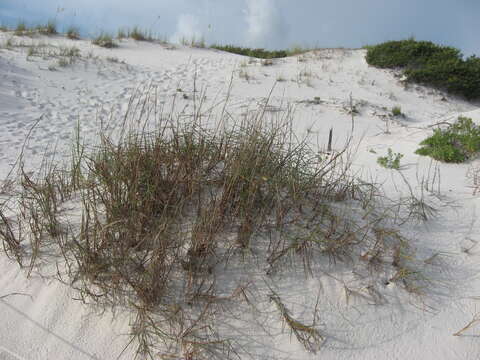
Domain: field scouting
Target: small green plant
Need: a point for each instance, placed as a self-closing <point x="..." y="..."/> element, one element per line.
<point x="456" y="144"/>
<point x="391" y="161"/>
<point x="104" y="40"/>
<point x="73" y="33"/>
<point x="397" y="111"/>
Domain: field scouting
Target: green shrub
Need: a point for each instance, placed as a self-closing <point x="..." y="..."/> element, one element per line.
<point x="255" y="53"/>
<point x="430" y="64"/>
<point x="391" y="161"/>
<point x="455" y="144"/>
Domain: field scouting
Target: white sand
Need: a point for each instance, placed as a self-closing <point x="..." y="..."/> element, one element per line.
<point x="47" y="323"/>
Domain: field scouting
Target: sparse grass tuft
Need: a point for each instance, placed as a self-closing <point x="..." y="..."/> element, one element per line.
<point x="73" y="33"/>
<point x="21" y="28"/>
<point x="48" y="29"/>
<point x="138" y="34"/>
<point x="193" y="42"/>
<point x="457" y="143"/>
<point x="122" y="34"/>
<point x="104" y="40"/>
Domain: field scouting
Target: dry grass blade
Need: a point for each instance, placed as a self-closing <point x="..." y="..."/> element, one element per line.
<point x="11" y="244"/>
<point x="472" y="323"/>
<point x="307" y="335"/>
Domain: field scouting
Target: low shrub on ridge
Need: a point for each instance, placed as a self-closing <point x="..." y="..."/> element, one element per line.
<point x="256" y="53"/>
<point x="427" y="63"/>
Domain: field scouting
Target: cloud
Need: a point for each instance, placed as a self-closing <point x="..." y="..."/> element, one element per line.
<point x="188" y="27"/>
<point x="266" y="26"/>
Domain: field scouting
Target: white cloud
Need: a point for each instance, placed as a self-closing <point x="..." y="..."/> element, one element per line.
<point x="266" y="25"/>
<point x="188" y="27"/>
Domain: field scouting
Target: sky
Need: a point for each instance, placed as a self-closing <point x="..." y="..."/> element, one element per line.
<point x="271" y="24"/>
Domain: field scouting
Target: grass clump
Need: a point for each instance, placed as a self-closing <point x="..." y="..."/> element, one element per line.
<point x="391" y="160"/>
<point x="73" y="33"/>
<point x="122" y="34"/>
<point x="104" y="40"/>
<point x="162" y="210"/>
<point x="430" y="64"/>
<point x="137" y="34"/>
<point x="21" y="28"/>
<point x="193" y="42"/>
<point x="455" y="144"/>
<point x="50" y="28"/>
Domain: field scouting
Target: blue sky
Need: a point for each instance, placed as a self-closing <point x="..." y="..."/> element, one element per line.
<point x="267" y="23"/>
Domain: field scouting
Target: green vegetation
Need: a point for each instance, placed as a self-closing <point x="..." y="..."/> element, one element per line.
<point x="455" y="144"/>
<point x="138" y="34"/>
<point x="397" y="111"/>
<point x="104" y="40"/>
<point x="135" y="33"/>
<point x="73" y="33"/>
<point x="50" y="28"/>
<point x="21" y="28"/>
<point x="262" y="53"/>
<point x="193" y="42"/>
<point x="430" y="64"/>
<point x="162" y="209"/>
<point x="255" y="53"/>
<point x="391" y="160"/>
<point x="121" y="34"/>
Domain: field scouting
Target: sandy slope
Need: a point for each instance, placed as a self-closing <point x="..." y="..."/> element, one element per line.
<point x="48" y="324"/>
